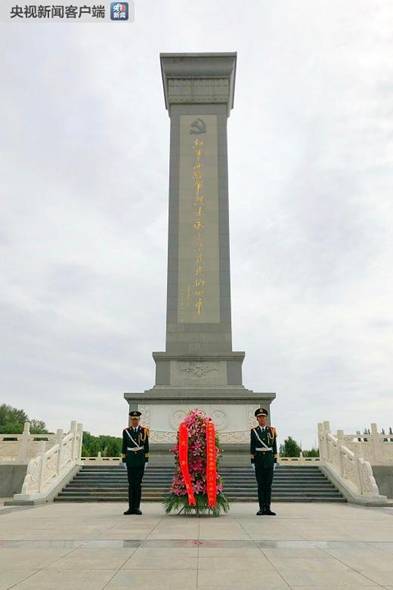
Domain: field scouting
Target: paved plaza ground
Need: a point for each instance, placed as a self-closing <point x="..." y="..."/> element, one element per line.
<point x="93" y="546"/>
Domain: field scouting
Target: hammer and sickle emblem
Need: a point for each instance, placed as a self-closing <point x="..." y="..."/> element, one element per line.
<point x="197" y="127"/>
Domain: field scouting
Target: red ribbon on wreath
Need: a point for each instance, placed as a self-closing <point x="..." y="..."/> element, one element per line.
<point x="183" y="460"/>
<point x="211" y="459"/>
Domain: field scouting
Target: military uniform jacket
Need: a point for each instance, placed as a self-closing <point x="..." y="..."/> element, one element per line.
<point x="135" y="449"/>
<point x="261" y="440"/>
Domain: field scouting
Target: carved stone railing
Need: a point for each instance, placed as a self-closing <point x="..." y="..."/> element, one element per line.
<point x="347" y="468"/>
<point x="290" y="461"/>
<point x="375" y="447"/>
<point x="20" y="448"/>
<point x="52" y="466"/>
<point x="99" y="460"/>
<point x="301" y="460"/>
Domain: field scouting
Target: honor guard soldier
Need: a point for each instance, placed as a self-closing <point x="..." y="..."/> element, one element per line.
<point x="263" y="449"/>
<point x="135" y="455"/>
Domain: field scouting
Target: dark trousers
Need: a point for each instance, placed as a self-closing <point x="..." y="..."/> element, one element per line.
<point x="135" y="475"/>
<point x="264" y="477"/>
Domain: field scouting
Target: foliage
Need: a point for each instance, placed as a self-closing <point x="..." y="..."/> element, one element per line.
<point x="290" y="448"/>
<point x="173" y="502"/>
<point x="12" y="421"/>
<point x="177" y="499"/>
<point x="38" y="427"/>
<point x="109" y="446"/>
<point x="311" y="453"/>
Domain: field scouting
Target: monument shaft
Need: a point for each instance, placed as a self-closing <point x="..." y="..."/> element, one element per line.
<point x="199" y="96"/>
<point x="198" y="91"/>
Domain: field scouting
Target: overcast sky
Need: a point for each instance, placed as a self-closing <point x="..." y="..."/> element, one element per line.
<point x="84" y="151"/>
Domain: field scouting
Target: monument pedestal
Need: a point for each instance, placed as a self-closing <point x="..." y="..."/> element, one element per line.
<point x="199" y="368"/>
<point x="212" y="383"/>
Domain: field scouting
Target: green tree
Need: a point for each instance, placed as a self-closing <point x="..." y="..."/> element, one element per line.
<point x="89" y="445"/>
<point x="311" y="453"/>
<point x="108" y="446"/>
<point x="112" y="446"/>
<point x="38" y="427"/>
<point x="290" y="448"/>
<point x="12" y="421"/>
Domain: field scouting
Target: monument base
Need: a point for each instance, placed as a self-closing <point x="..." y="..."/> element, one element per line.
<point x="233" y="455"/>
<point x="231" y="408"/>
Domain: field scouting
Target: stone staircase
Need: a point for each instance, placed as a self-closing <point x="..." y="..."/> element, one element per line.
<point x="108" y="483"/>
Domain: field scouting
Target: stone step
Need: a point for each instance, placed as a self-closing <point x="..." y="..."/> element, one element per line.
<point x="250" y="475"/>
<point x="163" y="492"/>
<point x="228" y="491"/>
<point x="109" y="484"/>
<point x="225" y="481"/>
<point x="251" y="483"/>
<point x="232" y="499"/>
<point x="170" y="468"/>
<point x="247" y="469"/>
<point x="248" y="485"/>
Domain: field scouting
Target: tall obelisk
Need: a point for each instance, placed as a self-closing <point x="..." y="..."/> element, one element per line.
<point x="199" y="368"/>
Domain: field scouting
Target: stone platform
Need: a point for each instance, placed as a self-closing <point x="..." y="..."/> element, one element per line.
<point x="95" y="547"/>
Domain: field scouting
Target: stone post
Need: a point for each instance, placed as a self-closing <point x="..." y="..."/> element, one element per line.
<point x="80" y="440"/>
<point x="41" y="450"/>
<point x="358" y="473"/>
<point x="23" y="453"/>
<point x="73" y="429"/>
<point x="323" y="429"/>
<point x="340" y="442"/>
<point x="377" y="446"/>
<point x="59" y="441"/>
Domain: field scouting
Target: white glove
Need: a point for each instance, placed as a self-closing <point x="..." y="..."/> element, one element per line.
<point x="253" y="466"/>
<point x="146" y="464"/>
<point x="275" y="466"/>
<point x="125" y="465"/>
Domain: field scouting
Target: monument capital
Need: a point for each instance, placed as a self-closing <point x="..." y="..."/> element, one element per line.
<point x="198" y="78"/>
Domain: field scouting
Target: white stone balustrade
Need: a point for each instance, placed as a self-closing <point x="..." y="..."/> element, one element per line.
<point x="376" y="447"/>
<point x="291" y="461"/>
<point x="301" y="460"/>
<point x="99" y="460"/>
<point x="347" y="467"/>
<point x="20" y="448"/>
<point x="49" y="468"/>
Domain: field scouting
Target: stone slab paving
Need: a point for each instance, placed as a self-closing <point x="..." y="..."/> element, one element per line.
<point x="95" y="547"/>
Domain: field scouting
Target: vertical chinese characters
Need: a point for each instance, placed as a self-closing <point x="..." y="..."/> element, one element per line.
<point x="199" y="279"/>
<point x="198" y="238"/>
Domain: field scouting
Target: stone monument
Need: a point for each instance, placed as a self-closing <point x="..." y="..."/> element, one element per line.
<point x="199" y="367"/>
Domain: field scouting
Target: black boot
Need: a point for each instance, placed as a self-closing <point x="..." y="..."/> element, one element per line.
<point x="137" y="503"/>
<point x="268" y="512"/>
<point x="129" y="511"/>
